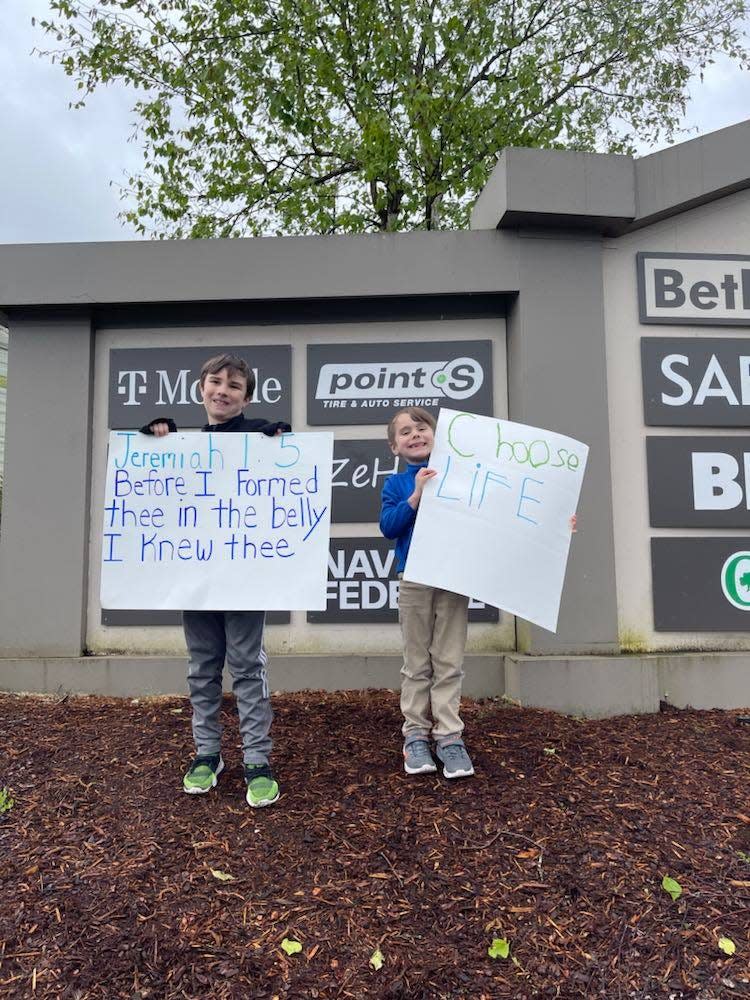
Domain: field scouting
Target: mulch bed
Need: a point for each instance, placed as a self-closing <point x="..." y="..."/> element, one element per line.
<point x="558" y="845"/>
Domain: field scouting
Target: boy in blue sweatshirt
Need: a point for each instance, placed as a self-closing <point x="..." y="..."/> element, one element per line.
<point x="433" y="621"/>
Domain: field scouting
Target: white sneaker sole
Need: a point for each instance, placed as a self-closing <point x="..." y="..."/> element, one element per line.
<point x="457" y="774"/>
<point x="424" y="769"/>
<point x="264" y="803"/>
<point x="204" y="791"/>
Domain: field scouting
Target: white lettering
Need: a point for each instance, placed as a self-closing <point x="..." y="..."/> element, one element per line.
<point x="131" y="384"/>
<point x="171" y="391"/>
<point x="724" y="389"/>
<point x="715" y="485"/>
<point x="679" y="380"/>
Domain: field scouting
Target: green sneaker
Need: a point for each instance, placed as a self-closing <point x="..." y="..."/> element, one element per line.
<point x="203" y="774"/>
<point x="262" y="787"/>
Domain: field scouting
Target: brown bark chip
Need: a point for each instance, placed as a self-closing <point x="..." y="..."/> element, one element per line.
<point x="114" y="884"/>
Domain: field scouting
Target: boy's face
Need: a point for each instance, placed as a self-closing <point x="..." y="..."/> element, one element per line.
<point x="412" y="439"/>
<point x="224" y="395"/>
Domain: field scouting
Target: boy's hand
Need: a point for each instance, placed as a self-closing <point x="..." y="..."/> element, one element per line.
<point x="160" y="428"/>
<point x="419" y="480"/>
<point x="574" y="524"/>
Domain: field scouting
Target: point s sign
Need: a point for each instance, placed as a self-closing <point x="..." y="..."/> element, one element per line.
<point x="365" y="383"/>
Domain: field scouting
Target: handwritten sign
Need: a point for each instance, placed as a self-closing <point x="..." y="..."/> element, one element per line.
<point x="203" y="521"/>
<point x="495" y="520"/>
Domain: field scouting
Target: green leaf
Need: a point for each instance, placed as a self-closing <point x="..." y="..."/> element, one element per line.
<point x="303" y="118"/>
<point x="500" y="948"/>
<point x="290" y="946"/>
<point x="672" y="886"/>
<point x="221" y="876"/>
<point x="376" y="960"/>
<point x="550" y="750"/>
<point x="727" y="945"/>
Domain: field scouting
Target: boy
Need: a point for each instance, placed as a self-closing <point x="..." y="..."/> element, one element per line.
<point x="433" y="621"/>
<point x="226" y="387"/>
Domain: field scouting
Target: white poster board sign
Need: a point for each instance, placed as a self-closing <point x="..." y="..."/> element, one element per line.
<point x="228" y="522"/>
<point x="494" y="523"/>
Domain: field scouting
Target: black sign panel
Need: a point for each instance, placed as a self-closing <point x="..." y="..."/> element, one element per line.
<point x="363" y="585"/>
<point x="120" y="617"/>
<point x="701" y="584"/>
<point x="698" y="482"/>
<point x="360" y="469"/>
<point x="148" y="382"/>
<point x="366" y="383"/>
<point x="696" y="383"/>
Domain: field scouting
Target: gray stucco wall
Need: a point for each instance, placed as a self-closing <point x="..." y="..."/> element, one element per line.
<point x="3" y="394"/>
<point x="44" y="542"/>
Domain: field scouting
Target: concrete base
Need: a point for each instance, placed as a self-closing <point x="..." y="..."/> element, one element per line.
<point x="133" y="677"/>
<point x="593" y="686"/>
<point x="599" y="686"/>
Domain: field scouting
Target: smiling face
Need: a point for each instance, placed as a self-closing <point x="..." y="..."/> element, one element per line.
<point x="412" y="438"/>
<point x="224" y="394"/>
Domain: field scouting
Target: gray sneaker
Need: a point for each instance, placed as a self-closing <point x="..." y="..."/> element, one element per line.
<point x="417" y="757"/>
<point x="455" y="759"/>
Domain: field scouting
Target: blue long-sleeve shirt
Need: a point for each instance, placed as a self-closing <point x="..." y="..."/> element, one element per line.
<point x="396" y="516"/>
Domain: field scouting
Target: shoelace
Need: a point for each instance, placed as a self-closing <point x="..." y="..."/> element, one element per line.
<point x="453" y="751"/>
<point x="419" y="749"/>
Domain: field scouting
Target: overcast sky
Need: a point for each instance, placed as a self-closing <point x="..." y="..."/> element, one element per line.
<point x="56" y="165"/>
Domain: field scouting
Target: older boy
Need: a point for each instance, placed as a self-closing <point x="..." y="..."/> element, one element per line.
<point x="433" y="621"/>
<point x="226" y="387"/>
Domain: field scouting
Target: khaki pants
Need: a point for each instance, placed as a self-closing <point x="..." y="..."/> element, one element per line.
<point x="433" y="625"/>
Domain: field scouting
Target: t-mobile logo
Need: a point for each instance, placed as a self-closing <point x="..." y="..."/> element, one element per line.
<point x="131" y="384"/>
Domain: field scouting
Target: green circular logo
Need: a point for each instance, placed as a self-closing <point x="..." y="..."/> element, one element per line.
<point x="735" y="580"/>
<point x="442" y="377"/>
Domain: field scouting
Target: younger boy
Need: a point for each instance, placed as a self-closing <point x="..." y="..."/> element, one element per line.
<point x="433" y="621"/>
<point x="226" y="387"/>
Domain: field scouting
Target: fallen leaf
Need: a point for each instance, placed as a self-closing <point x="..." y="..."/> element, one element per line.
<point x="500" y="948"/>
<point x="221" y="876"/>
<point x="376" y="960"/>
<point x="727" y="945"/>
<point x="290" y="946"/>
<point x="672" y="886"/>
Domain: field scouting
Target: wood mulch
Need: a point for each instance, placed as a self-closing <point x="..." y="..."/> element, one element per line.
<point x="558" y="845"/>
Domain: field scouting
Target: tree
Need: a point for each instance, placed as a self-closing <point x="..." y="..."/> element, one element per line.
<point x="299" y="116"/>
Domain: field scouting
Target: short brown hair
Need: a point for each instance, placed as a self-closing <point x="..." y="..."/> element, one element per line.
<point x="236" y="366"/>
<point x="416" y="413"/>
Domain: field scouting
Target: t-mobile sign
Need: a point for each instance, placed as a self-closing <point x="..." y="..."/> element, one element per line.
<point x="148" y="382"/>
<point x="694" y="289"/>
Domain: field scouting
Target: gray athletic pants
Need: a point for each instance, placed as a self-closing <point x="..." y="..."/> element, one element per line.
<point x="237" y="637"/>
